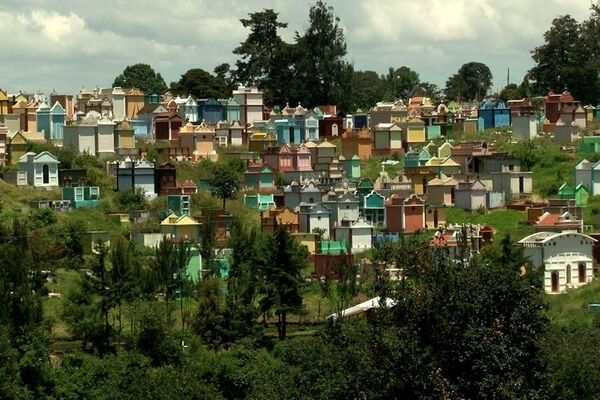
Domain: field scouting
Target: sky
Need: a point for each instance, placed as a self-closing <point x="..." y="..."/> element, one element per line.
<point x="66" y="45"/>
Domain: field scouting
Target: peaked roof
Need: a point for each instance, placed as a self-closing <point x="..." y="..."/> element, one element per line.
<point x="42" y="107"/>
<point x="175" y="219"/>
<point x="565" y="186"/>
<point x="584" y="164"/>
<point x="449" y="162"/>
<point x="471" y="185"/>
<point x="318" y="208"/>
<point x="57" y="108"/>
<point x="44" y="156"/>
<point x="326" y="143"/>
<point x="442" y="180"/>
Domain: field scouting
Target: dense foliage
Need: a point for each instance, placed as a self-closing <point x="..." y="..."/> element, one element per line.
<point x="202" y="85"/>
<point x="460" y="328"/>
<point x="225" y="183"/>
<point x="313" y="69"/>
<point x="471" y="82"/>
<point x="141" y="76"/>
<point x="569" y="58"/>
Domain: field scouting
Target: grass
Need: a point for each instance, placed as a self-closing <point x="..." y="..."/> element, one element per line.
<point x="12" y="197"/>
<point x="570" y="310"/>
<point x="591" y="212"/>
<point x="193" y="172"/>
<point x="502" y="221"/>
<point x="371" y="167"/>
<point x="316" y="307"/>
<point x="65" y="281"/>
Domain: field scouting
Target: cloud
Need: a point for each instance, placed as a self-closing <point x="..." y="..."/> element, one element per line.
<point x="54" y="26"/>
<point x="68" y="44"/>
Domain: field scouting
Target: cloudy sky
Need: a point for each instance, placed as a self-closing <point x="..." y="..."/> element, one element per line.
<point x="64" y="45"/>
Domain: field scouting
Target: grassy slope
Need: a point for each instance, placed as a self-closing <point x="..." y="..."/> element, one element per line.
<point x="503" y="221"/>
<point x="371" y="167"/>
<point x="65" y="280"/>
<point x="569" y="310"/>
<point x="554" y="167"/>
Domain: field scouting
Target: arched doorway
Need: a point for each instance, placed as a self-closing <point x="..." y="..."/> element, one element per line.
<point x="554" y="281"/>
<point x="45" y="174"/>
<point x="334" y="130"/>
<point x="568" y="274"/>
<point x="581" y="272"/>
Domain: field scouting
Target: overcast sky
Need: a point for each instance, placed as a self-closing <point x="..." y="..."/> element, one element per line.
<point x="64" y="45"/>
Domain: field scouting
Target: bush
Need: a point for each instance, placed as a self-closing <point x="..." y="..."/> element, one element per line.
<point x="132" y="199"/>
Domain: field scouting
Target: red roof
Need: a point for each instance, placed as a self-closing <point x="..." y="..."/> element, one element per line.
<point x="554" y="220"/>
<point x="566" y="97"/>
<point x="548" y="220"/>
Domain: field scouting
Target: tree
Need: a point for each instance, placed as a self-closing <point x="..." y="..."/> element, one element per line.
<point x="525" y="89"/>
<point x="208" y="240"/>
<point x="73" y="238"/>
<point x="569" y="58"/>
<point x="282" y="277"/>
<point x="346" y="289"/>
<point x="471" y="82"/>
<point x="510" y="92"/>
<point x="495" y="338"/>
<point x="100" y="286"/>
<point x="224" y="73"/>
<point x="209" y="320"/>
<point x="81" y="313"/>
<point x="322" y="72"/>
<point x="170" y="264"/>
<point x="427" y="89"/>
<point x="154" y="341"/>
<point x="265" y="59"/>
<point x="11" y="386"/>
<point x="557" y="60"/>
<point x="132" y="199"/>
<point x="121" y="275"/>
<point x="367" y="89"/>
<point x="201" y="84"/>
<point x="525" y="152"/>
<point x="20" y="303"/>
<point x="242" y="282"/>
<point x="143" y="77"/>
<point x="401" y="82"/>
<point x="225" y="183"/>
<point x="573" y="365"/>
